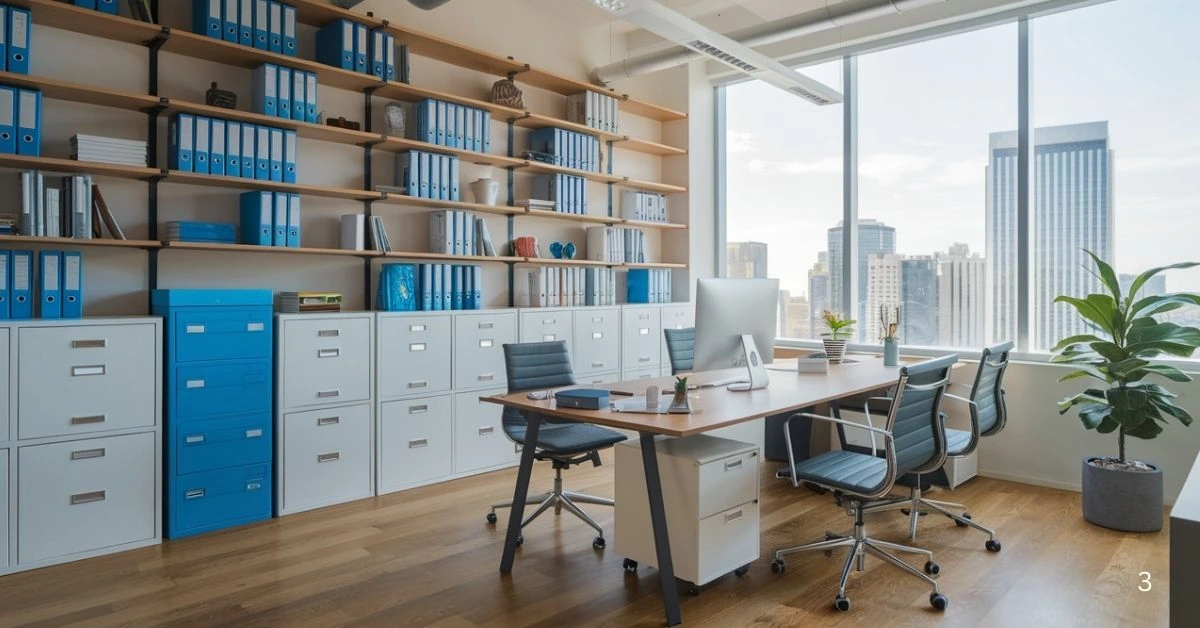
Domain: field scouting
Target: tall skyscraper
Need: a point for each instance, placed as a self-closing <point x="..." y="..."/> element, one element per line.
<point x="874" y="238"/>
<point x="907" y="282"/>
<point x="962" y="291"/>
<point x="818" y="292"/>
<point x="883" y="291"/>
<point x="797" y="322"/>
<point x="1073" y="210"/>
<point x="746" y="260"/>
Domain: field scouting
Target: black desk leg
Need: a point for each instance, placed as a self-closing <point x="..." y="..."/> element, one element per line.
<point x="517" y="513"/>
<point x="658" y="521"/>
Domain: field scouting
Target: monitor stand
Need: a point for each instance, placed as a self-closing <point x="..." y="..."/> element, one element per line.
<point x="759" y="378"/>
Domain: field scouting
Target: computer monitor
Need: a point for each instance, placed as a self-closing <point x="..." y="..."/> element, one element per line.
<point x="728" y="308"/>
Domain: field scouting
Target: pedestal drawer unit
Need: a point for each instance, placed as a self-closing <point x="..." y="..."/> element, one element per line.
<point x="546" y="325"/>
<point x="478" y="348"/>
<point x="479" y="439"/>
<point x="597" y="346"/>
<point x="326" y="451"/>
<point x="219" y="387"/>
<point x="710" y="493"/>
<point x="416" y="441"/>
<point x="641" y="337"/>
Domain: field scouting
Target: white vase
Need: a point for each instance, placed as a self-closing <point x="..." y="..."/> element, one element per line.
<point x="486" y="191"/>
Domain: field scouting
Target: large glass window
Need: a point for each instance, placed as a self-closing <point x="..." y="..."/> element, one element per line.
<point x="784" y="185"/>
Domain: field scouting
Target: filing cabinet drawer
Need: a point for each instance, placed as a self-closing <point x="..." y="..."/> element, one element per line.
<point x="220" y="333"/>
<point x="479" y="440"/>
<point x="631" y="375"/>
<point x="218" y="499"/>
<point x="84" y="495"/>
<point x="84" y="379"/>
<point x="415" y="441"/>
<point x="678" y="316"/>
<point x="641" y="332"/>
<point x="596" y="379"/>
<point x="479" y="341"/>
<point x="326" y="457"/>
<point x="325" y="360"/>
<point x="730" y="537"/>
<point x="209" y="444"/>
<point x="543" y="325"/>
<point x="4" y="476"/>
<point x="728" y="482"/>
<point x="597" y="347"/>
<point x="414" y="355"/>
<point x="202" y="390"/>
<point x="5" y="394"/>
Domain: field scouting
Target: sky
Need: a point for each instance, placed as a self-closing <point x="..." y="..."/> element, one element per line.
<point x="925" y="112"/>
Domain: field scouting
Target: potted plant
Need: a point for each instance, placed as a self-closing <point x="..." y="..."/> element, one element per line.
<point x="840" y="329"/>
<point x="889" y="323"/>
<point x="1121" y="493"/>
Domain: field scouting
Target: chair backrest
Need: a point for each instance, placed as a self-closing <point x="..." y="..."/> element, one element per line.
<point x="914" y="417"/>
<point x="681" y="348"/>
<point x="988" y="390"/>
<point x="533" y="366"/>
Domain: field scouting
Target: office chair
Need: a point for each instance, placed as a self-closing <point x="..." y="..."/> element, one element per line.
<point x="913" y="442"/>
<point x="538" y="366"/>
<point x="988" y="416"/>
<point x="681" y="348"/>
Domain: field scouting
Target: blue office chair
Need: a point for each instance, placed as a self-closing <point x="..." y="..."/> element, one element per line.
<point x="988" y="416"/>
<point x="539" y="366"/>
<point x="913" y="442"/>
<point x="681" y="348"/>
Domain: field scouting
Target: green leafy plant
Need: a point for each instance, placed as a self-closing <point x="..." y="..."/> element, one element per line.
<point x="1119" y="356"/>
<point x="839" y="326"/>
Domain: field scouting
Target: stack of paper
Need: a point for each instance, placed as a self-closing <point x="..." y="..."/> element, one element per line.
<point x="299" y="302"/>
<point x="108" y="150"/>
<point x="536" y="203"/>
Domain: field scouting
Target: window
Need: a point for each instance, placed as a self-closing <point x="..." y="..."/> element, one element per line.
<point x="784" y="181"/>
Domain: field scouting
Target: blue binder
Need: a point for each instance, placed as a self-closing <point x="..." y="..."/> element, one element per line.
<point x="21" y="280"/>
<point x="275" y="27"/>
<point x="427" y="121"/>
<point x="85" y="4"/>
<point x="310" y="97"/>
<point x="229" y="20"/>
<point x="299" y="98"/>
<point x="444" y="177"/>
<point x="426" y="286"/>
<point x="262" y="153"/>
<point x="389" y="57"/>
<point x="29" y="122"/>
<point x="108" y="6"/>
<point x="8" y="119"/>
<point x="487" y="135"/>
<point x="289" y="30"/>
<point x="200" y="144"/>
<point x="216" y="147"/>
<point x="248" y="164"/>
<point x="262" y="25"/>
<point x="637" y="285"/>
<point x="360" y="48"/>
<point x="453" y="161"/>
<point x="425" y="174"/>
<point x="256" y="210"/>
<point x="449" y="124"/>
<point x="5" y="284"/>
<point x="289" y="156"/>
<point x="246" y="22"/>
<point x="447" y="286"/>
<point x="408" y="172"/>
<point x="439" y="123"/>
<point x="50" y="284"/>
<point x="378" y="53"/>
<point x="276" y="155"/>
<point x="280" y="223"/>
<point x="283" y="97"/>
<point x="4" y="17"/>
<point x="460" y="123"/>
<point x="72" y="284"/>
<point x="206" y="18"/>
<point x="436" y="290"/>
<point x="335" y="44"/>
<point x="264" y="89"/>
<point x="397" y="288"/>
<point x="456" y="287"/>
<point x="477" y="287"/>
<point x="293" y="220"/>
<point x="19" y="39"/>
<point x="233" y="149"/>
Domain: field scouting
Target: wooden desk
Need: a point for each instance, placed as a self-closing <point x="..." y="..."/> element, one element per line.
<point x="713" y="408"/>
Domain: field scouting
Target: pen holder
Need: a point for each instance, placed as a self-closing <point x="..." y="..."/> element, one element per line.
<point x="891" y="352"/>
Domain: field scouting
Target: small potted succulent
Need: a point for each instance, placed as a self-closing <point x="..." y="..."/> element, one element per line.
<point x="889" y="324"/>
<point x="679" y="403"/>
<point x="840" y="330"/>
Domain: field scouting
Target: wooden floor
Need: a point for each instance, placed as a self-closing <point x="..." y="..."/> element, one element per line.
<point x="427" y="558"/>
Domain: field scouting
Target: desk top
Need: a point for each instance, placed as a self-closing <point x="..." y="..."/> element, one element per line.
<point x="714" y="408"/>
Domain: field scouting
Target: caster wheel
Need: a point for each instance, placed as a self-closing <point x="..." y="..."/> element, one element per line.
<point x="629" y="565"/>
<point x="598" y="543"/>
<point x="741" y="571"/>
<point x="520" y="540"/>
<point x="778" y="566"/>
<point x="842" y="603"/>
<point x="932" y="568"/>
<point x="939" y="601"/>
<point x="491" y="518"/>
<point x="693" y="590"/>
<point x="961" y="524"/>
<point x="992" y="546"/>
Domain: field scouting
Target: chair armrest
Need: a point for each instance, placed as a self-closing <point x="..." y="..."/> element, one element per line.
<point x="974" y="414"/>
<point x="787" y="435"/>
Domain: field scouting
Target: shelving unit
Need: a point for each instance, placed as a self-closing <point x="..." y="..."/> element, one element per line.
<point x="213" y="180"/>
<point x="100" y="243"/>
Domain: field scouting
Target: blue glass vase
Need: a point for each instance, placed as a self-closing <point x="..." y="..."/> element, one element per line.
<point x="891" y="352"/>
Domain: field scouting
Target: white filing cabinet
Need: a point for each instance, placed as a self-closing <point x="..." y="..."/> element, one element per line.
<point x="416" y="441"/>
<point x="641" y="338"/>
<point x="478" y="348"/>
<point x="675" y="316"/>
<point x="80" y="439"/>
<point x="597" y="347"/>
<point x="414" y="352"/>
<point x="324" y="433"/>
<point x="546" y="325"/>
<point x="479" y="439"/>
<point x="710" y="491"/>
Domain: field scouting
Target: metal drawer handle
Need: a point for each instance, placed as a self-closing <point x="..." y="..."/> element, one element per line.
<point x="418" y="409"/>
<point x="597" y="319"/>
<point x="597" y="335"/>
<point x="597" y="381"/>
<point x="84" y="454"/>
<point x="644" y="331"/>
<point x="87" y="498"/>
<point x="486" y="343"/>
<point x="597" y="364"/>
<point x="418" y="442"/>
<point x="329" y="420"/>
<point x="549" y="321"/>
<point x="549" y="337"/>
<point x="253" y="486"/>
<point x="644" y="359"/>
<point x="195" y="493"/>
<point x="89" y="344"/>
<point x="328" y="393"/>
<point x="416" y="328"/>
<point x="484" y="431"/>
<point x="194" y="329"/>
<point x="194" y="383"/>
<point x="418" y="384"/>
<point x="486" y="377"/>
<point x="193" y="439"/>
<point x="487" y="325"/>
<point x="416" y="346"/>
<point x="255" y="327"/>
<point x="84" y="371"/>
<point x="736" y="464"/>
<point x="86" y="420"/>
<point x="643" y="317"/>
<point x="734" y="515"/>
<point x="329" y="333"/>
<point x="330" y="457"/>
<point x="328" y="353"/>
<point x="254" y="433"/>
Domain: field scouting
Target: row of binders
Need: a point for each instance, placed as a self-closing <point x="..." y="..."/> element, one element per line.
<point x="427" y="175"/>
<point x="56" y="212"/>
<point x="59" y="285"/>
<point x="647" y="206"/>
<point x="20" y="121"/>
<point x="648" y="285"/>
<point x="269" y="219"/>
<point x="598" y="111"/>
<point x="350" y="46"/>
<point x="448" y="124"/>
<point x="616" y="245"/>
<point x="459" y="233"/>
<point x="553" y="286"/>
<point x="104" y="6"/>
<point x="429" y="287"/>
<point x="263" y="24"/>
<point x="284" y="92"/>
<point x="567" y="192"/>
<point x="567" y="148"/>
<point x="234" y="149"/>
<point x="16" y="44"/>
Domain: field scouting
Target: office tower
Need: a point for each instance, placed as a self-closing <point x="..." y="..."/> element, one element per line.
<point x="962" y="292"/>
<point x="883" y="291"/>
<point x="1073" y="210"/>
<point x="818" y="293"/>
<point x="746" y="260"/>
<point x="874" y="238"/>
<point x="796" y="323"/>
<point x="907" y="282"/>
<point x="1155" y="287"/>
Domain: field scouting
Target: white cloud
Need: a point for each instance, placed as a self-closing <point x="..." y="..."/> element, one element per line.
<point x="1156" y="163"/>
<point x="892" y="168"/>
<point x="740" y="142"/>
<point x="825" y="165"/>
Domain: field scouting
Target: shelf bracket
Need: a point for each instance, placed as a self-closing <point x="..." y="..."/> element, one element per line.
<point x="513" y="73"/>
<point x="155" y="43"/>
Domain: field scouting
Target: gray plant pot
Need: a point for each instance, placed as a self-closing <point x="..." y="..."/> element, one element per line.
<point x="1130" y="501"/>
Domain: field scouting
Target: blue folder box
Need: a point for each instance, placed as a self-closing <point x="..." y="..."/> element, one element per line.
<point x="582" y="398"/>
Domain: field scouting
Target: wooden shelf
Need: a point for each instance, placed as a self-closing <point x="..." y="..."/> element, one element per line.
<point x="443" y="257"/>
<point x="587" y="218"/>
<point x="412" y="93"/>
<point x="463" y="56"/>
<point x="322" y="132"/>
<point x="71" y="166"/>
<point x="252" y="248"/>
<point x="651" y="224"/>
<point x="648" y="147"/>
<point x="404" y="199"/>
<point x="88" y="21"/>
<point x="70" y="242"/>
<point x="212" y="180"/>
<point x="654" y="265"/>
<point x="538" y="121"/>
<point x="545" y="79"/>
<point x="649" y="186"/>
<point x="75" y="92"/>
<point x="554" y="261"/>
<point x="399" y="144"/>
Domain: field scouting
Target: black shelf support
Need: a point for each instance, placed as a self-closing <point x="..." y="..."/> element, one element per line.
<point x="152" y="115"/>
<point x="368" y="184"/>
<point x="609" y="167"/>
<point x="511" y="219"/>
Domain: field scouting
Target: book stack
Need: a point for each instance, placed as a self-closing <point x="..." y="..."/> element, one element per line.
<point x="108" y="150"/>
<point x="459" y="233"/>
<point x="568" y="149"/>
<point x="616" y="245"/>
<point x="429" y="287"/>
<point x="379" y="236"/>
<point x="302" y="302"/>
<point x="67" y="211"/>
<point x="552" y="286"/>
<point x="648" y="285"/>
<point x="449" y="124"/>
<point x="194" y="231"/>
<point x="565" y="193"/>
<point x="598" y="111"/>
<point x="537" y="203"/>
<point x="646" y="206"/>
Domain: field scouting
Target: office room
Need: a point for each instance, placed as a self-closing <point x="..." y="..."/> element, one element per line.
<point x="545" y="312"/>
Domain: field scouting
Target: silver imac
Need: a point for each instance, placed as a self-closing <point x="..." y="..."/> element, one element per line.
<point x="727" y="310"/>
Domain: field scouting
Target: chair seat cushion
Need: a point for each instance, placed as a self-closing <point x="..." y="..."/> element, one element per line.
<point x="957" y="441"/>
<point x="571" y="438"/>
<point x="861" y="474"/>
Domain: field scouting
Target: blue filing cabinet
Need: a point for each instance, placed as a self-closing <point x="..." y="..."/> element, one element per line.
<point x="219" y="393"/>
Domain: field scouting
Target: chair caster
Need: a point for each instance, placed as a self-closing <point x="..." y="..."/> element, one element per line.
<point x="741" y="571"/>
<point x="939" y="601"/>
<point x="519" y="541"/>
<point x="992" y="546"/>
<point x="841" y="603"/>
<point x="691" y="589"/>
<point x="960" y="523"/>
<point x="630" y="565"/>
<point x="598" y="543"/>
<point x="932" y="568"/>
<point x="491" y="518"/>
<point x="778" y="566"/>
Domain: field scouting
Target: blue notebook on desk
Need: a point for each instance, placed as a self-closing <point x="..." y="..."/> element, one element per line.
<point x="582" y="399"/>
